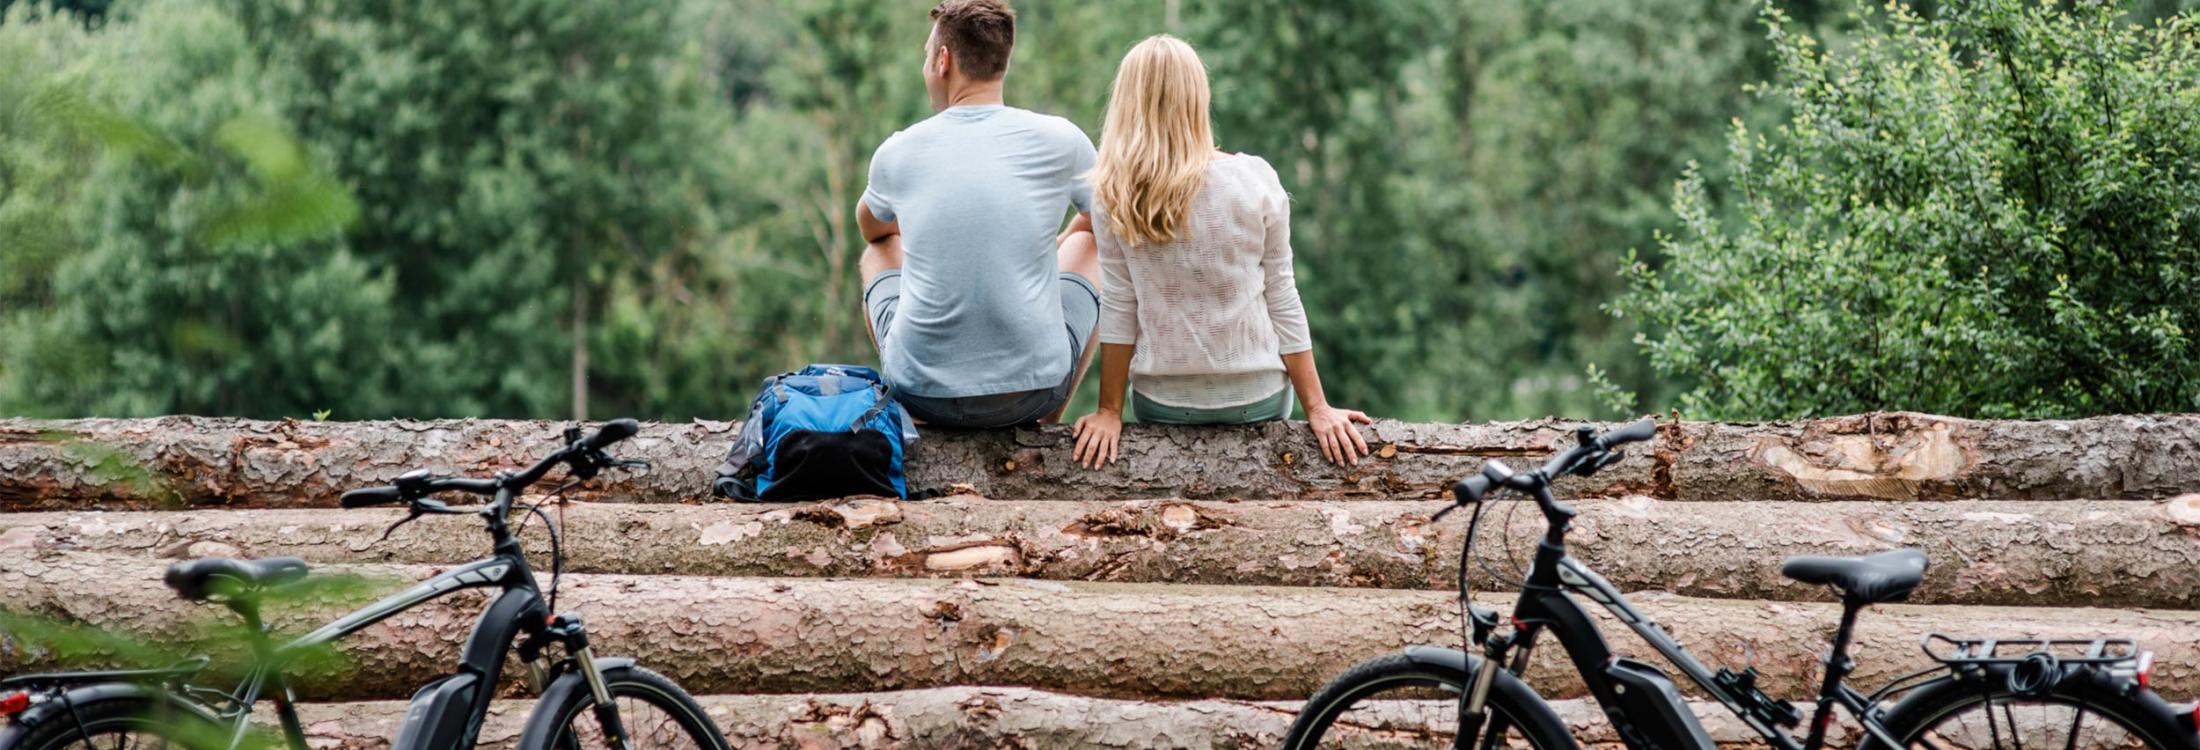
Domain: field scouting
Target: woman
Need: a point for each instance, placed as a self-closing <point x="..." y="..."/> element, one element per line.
<point x="1199" y="313"/>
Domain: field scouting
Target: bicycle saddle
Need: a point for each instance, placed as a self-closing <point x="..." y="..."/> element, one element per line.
<point x="200" y="580"/>
<point x="1871" y="579"/>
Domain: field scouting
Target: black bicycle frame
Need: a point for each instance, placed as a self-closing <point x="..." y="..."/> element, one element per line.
<point x="518" y="611"/>
<point x="1545" y="604"/>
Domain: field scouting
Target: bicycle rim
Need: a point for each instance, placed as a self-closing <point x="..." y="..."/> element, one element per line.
<point x="1998" y="721"/>
<point x="653" y="721"/>
<point x="1409" y="711"/>
<point x="116" y="733"/>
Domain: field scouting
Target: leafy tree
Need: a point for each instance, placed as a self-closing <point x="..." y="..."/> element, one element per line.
<point x="517" y="161"/>
<point x="1573" y="118"/>
<point x="203" y="231"/>
<point x="1466" y="179"/>
<point x="1993" y="212"/>
<point x="42" y="160"/>
<point x="516" y="166"/>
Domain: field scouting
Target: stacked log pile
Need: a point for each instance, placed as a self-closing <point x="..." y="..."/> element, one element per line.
<point x="1184" y="596"/>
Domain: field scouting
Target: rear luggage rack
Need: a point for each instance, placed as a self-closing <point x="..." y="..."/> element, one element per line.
<point x="2099" y="652"/>
<point x="2045" y="661"/>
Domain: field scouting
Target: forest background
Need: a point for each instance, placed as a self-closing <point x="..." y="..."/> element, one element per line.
<point x="1502" y="209"/>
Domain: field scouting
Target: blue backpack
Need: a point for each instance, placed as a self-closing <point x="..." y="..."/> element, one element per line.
<point x="823" y="431"/>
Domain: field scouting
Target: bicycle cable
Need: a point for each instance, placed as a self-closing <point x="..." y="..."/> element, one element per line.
<point x="1512" y="554"/>
<point x="557" y="551"/>
<point x="1466" y="595"/>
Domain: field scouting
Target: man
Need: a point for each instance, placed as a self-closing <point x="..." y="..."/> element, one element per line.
<point x="982" y="313"/>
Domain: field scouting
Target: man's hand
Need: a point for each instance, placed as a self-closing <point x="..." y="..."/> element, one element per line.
<point x="1099" y="435"/>
<point x="1341" y="442"/>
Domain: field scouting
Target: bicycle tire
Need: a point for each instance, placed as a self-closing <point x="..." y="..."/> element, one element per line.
<point x="566" y="726"/>
<point x="2137" y="714"/>
<point x="1509" y="699"/>
<point x="118" y="717"/>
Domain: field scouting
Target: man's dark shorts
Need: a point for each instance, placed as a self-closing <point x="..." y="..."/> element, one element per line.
<point x="1080" y="316"/>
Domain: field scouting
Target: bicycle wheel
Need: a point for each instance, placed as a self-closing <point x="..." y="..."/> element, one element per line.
<point x="115" y="724"/>
<point x="1395" y="701"/>
<point x="2087" y="711"/>
<point x="654" y="710"/>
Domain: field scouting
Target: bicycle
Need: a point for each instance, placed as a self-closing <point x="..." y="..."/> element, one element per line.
<point x="121" y="708"/>
<point x="1951" y="705"/>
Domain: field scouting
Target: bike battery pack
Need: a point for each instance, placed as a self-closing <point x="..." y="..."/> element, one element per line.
<point x="439" y="713"/>
<point x="1650" y="711"/>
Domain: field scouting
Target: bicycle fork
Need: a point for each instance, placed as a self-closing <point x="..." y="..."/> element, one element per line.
<point x="568" y="629"/>
<point x="1474" y="703"/>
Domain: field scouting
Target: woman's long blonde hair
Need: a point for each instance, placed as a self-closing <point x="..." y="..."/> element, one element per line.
<point x="1156" y="143"/>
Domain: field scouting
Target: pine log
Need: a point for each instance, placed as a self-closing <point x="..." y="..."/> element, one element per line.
<point x="2097" y="553"/>
<point x="965" y="717"/>
<point x="177" y="461"/>
<point x="1142" y="640"/>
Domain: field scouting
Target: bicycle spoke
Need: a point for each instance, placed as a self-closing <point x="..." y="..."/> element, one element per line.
<point x="2026" y="723"/>
<point x="648" y="727"/>
<point x="1990" y="726"/>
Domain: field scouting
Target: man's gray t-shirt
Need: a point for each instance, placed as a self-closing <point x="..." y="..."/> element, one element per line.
<point x="980" y="193"/>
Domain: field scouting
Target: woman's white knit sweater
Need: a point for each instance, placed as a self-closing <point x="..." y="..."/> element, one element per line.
<point x="1212" y="311"/>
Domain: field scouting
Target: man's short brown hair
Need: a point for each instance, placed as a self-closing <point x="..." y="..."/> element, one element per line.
<point x="980" y="33"/>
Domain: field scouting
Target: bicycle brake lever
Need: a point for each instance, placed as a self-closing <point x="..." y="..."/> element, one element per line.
<point x="1445" y="512"/>
<point x="631" y="463"/>
<point x="409" y="518"/>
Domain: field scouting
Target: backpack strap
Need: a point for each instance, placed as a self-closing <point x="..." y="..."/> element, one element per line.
<point x="885" y="396"/>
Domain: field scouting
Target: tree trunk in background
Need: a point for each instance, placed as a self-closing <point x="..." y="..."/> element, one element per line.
<point x="186" y="460"/>
<point x="717" y="635"/>
<point x="580" y="348"/>
<point x="2084" y="553"/>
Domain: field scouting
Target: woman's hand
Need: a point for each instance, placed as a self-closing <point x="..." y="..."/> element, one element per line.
<point x="1099" y="435"/>
<point x="1333" y="427"/>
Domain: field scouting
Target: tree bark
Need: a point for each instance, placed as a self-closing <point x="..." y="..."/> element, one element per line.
<point x="175" y="461"/>
<point x="966" y="717"/>
<point x="2098" y="553"/>
<point x="795" y="635"/>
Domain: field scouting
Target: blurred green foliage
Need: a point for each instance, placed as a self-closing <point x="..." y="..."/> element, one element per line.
<point x="393" y="209"/>
<point x="58" y="640"/>
<point x="1994" y="212"/>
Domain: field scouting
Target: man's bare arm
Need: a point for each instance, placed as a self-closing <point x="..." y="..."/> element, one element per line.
<point x="1082" y="222"/>
<point x="874" y="230"/>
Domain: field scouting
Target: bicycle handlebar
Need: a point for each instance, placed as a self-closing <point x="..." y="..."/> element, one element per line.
<point x="1634" y="432"/>
<point x="611" y="432"/>
<point x="1470" y="489"/>
<point x="367" y="497"/>
<point x="1593" y="452"/>
<point x="1591" y="447"/>
<point x="416" y="485"/>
